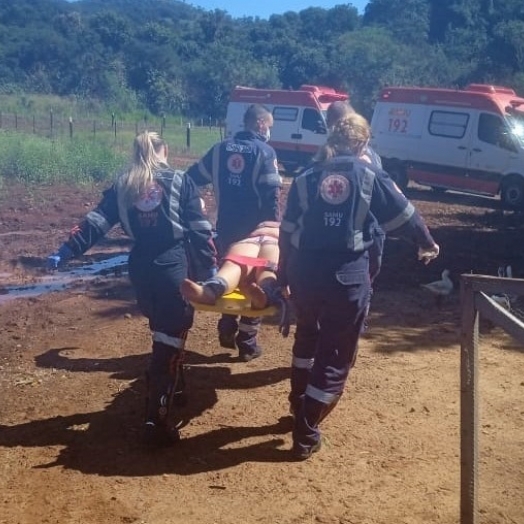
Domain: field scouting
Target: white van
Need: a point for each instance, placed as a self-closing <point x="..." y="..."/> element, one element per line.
<point x="299" y="126"/>
<point x="469" y="140"/>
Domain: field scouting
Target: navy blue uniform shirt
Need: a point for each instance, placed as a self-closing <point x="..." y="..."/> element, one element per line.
<point x="244" y="173"/>
<point x="167" y="216"/>
<point x="332" y="208"/>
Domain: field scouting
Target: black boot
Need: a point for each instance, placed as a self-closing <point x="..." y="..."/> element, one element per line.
<point x="306" y="433"/>
<point x="166" y="397"/>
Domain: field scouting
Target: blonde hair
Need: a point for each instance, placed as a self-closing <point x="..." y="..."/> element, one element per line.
<point x="349" y="136"/>
<point x="147" y="158"/>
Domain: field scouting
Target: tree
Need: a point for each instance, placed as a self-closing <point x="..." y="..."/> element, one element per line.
<point x="407" y="20"/>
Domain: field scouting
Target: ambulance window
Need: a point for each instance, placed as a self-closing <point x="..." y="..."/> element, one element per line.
<point x="448" y="124"/>
<point x="493" y="131"/>
<point x="312" y="121"/>
<point x="286" y="114"/>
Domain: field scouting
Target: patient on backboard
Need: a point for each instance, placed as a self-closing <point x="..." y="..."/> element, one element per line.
<point x="249" y="265"/>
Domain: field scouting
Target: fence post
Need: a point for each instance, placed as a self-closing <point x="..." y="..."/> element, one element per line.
<point x="188" y="135"/>
<point x="71" y="127"/>
<point x="162" y="125"/>
<point x="34" y="124"/>
<point x="469" y="362"/>
<point x="115" y="129"/>
<point x="16" y="122"/>
<point x="51" y="121"/>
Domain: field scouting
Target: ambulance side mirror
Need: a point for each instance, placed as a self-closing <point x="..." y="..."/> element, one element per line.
<point x="321" y="128"/>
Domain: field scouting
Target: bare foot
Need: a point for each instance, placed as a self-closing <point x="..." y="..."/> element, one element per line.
<point x="258" y="296"/>
<point x="196" y="293"/>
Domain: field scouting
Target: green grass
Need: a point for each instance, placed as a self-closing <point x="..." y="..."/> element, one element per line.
<point x="50" y="139"/>
<point x="87" y="157"/>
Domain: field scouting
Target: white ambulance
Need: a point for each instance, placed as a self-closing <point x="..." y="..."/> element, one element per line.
<point x="470" y="140"/>
<point x="299" y="126"/>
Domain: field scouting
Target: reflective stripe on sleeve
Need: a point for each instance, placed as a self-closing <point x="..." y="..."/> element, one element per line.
<point x="200" y="225"/>
<point x="367" y="178"/>
<point x="400" y="219"/>
<point x="254" y="179"/>
<point x="174" y="205"/>
<point x="99" y="221"/>
<point x="215" y="169"/>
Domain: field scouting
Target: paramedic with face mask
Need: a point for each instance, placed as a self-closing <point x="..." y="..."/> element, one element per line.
<point x="246" y="184"/>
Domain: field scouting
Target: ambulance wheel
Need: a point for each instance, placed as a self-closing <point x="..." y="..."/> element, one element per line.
<point x="398" y="174"/>
<point x="512" y="192"/>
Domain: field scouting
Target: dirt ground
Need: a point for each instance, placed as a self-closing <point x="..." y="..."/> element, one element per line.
<point x="72" y="388"/>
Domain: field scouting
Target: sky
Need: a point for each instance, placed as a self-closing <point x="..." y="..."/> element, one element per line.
<point x="265" y="8"/>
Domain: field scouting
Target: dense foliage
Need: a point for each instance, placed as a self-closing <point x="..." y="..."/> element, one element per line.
<point x="177" y="59"/>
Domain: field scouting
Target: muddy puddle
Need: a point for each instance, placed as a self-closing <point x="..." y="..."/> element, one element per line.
<point x="63" y="279"/>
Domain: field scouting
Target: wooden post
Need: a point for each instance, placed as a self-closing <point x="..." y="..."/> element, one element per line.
<point x="51" y="121"/>
<point x="188" y="135"/>
<point x="162" y="125"/>
<point x="469" y="358"/>
<point x="71" y="127"/>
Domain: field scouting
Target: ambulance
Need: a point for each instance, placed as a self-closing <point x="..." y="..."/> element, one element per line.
<point x="299" y="126"/>
<point x="469" y="140"/>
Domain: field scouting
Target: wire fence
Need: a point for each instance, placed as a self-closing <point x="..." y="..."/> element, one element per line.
<point x="184" y="135"/>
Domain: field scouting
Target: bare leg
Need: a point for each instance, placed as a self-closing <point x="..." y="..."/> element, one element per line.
<point x="230" y="274"/>
<point x="265" y="278"/>
<point x="236" y="274"/>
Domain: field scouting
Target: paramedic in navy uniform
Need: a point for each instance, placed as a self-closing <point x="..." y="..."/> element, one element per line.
<point x="160" y="209"/>
<point x="336" y="111"/>
<point x="325" y="235"/>
<point x="246" y="184"/>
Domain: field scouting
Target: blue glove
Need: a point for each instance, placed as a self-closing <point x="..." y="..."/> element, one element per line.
<point x="61" y="256"/>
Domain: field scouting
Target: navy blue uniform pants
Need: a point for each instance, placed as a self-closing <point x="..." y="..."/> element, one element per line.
<point x="330" y="294"/>
<point x="156" y="283"/>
